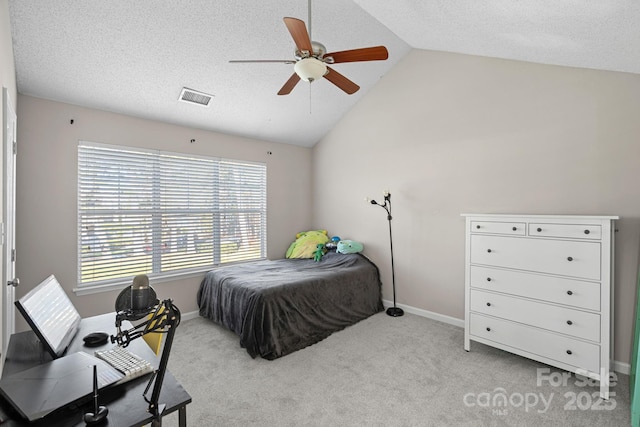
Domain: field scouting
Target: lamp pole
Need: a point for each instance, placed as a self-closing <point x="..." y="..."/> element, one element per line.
<point x="163" y="316"/>
<point x="391" y="311"/>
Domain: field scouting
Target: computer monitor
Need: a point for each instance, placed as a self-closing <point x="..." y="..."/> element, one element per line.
<point x="51" y="315"/>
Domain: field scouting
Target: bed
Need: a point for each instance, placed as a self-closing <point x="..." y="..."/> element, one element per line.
<point x="280" y="306"/>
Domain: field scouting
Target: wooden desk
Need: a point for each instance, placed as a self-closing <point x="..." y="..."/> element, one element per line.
<point x="126" y="403"/>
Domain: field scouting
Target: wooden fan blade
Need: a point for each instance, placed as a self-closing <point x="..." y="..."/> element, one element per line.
<point x="341" y="81"/>
<point x="289" y="85"/>
<point x="376" y="53"/>
<point x="298" y="31"/>
<point x="281" y="61"/>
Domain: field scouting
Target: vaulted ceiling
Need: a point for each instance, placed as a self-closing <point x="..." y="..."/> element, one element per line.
<point x="134" y="57"/>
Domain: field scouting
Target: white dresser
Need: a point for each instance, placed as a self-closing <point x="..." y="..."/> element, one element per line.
<point x="541" y="286"/>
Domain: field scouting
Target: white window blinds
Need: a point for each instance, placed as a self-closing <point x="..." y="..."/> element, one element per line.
<point x="160" y="213"/>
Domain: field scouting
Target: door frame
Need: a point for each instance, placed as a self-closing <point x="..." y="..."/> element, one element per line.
<point x="9" y="138"/>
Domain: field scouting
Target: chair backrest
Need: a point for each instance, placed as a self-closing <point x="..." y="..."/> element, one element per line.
<point x="154" y="339"/>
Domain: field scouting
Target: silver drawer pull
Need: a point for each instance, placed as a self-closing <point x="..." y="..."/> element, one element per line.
<point x="569" y="352"/>
<point x="569" y="322"/>
<point x="570" y="258"/>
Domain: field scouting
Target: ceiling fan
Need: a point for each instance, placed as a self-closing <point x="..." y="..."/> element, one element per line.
<point x="311" y="58"/>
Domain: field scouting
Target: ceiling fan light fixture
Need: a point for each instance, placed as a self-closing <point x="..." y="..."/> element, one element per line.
<point x="310" y="69"/>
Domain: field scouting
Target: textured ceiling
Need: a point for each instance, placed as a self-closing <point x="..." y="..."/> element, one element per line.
<point x="598" y="34"/>
<point x="134" y="57"/>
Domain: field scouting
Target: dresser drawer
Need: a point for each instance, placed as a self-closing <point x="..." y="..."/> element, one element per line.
<point x="579" y="324"/>
<point x="571" y="292"/>
<point x="567" y="258"/>
<point x="536" y="341"/>
<point x="568" y="231"/>
<point x="495" y="227"/>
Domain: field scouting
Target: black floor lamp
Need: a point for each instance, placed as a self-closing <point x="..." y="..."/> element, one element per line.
<point x="391" y="311"/>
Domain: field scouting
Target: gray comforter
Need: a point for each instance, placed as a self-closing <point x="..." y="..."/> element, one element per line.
<point x="277" y="307"/>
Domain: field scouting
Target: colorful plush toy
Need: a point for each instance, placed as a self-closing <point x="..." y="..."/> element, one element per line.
<point x="349" y="247"/>
<point x="317" y="255"/>
<point x="306" y="244"/>
<point x="333" y="244"/>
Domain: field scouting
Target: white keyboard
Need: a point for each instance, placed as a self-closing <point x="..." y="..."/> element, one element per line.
<point x="131" y="365"/>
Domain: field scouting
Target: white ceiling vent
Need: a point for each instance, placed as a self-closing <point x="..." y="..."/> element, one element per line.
<point x="195" y="97"/>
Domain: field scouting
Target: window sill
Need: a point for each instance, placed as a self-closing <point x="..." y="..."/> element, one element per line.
<point x="121" y="284"/>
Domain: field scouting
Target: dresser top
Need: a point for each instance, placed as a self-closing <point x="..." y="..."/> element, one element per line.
<point x="569" y="217"/>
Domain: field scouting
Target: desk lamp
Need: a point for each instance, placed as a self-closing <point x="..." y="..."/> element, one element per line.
<point x="138" y="301"/>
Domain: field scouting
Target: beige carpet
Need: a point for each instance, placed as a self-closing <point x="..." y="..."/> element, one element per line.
<point x="407" y="371"/>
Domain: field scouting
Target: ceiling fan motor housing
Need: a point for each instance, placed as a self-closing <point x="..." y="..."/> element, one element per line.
<point x="319" y="50"/>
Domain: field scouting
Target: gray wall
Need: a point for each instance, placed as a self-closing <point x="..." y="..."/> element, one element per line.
<point x="47" y="197"/>
<point x="448" y="134"/>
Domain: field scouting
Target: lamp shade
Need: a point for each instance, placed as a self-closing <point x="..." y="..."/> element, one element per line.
<point x="310" y="69"/>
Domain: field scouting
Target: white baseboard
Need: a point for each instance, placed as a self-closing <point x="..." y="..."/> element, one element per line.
<point x="190" y="315"/>
<point x="620" y="367"/>
<point x="428" y="314"/>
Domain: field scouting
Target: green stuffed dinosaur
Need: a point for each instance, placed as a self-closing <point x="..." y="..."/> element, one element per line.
<point x="317" y="255"/>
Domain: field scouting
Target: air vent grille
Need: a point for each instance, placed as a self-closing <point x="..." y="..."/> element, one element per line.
<point x="195" y="97"/>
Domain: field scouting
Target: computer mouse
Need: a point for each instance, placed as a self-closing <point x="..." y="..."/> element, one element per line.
<point x="95" y="339"/>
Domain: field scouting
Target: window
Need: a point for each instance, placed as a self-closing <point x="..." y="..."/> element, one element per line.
<point x="162" y="214"/>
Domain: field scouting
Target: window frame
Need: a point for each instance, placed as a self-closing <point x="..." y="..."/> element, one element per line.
<point x="216" y="211"/>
